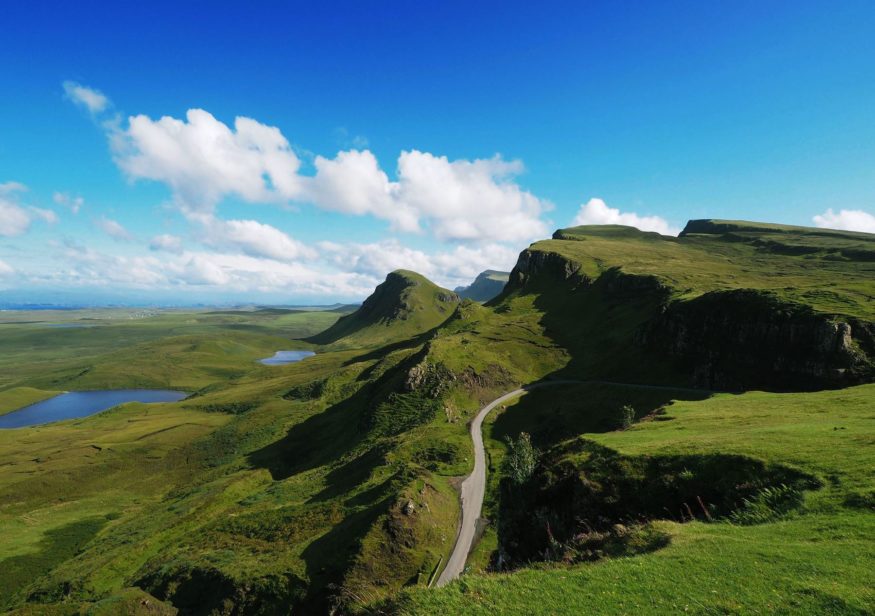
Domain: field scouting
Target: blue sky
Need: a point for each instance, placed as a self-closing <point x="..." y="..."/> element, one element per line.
<point x="442" y="137"/>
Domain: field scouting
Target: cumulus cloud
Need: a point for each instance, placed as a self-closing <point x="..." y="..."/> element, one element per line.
<point x="5" y="269"/>
<point x="73" y="203"/>
<point x="253" y="238"/>
<point x="469" y="200"/>
<point x="597" y="212"/>
<point x="201" y="270"/>
<point x="166" y="243"/>
<point x="89" y="98"/>
<point x="15" y="219"/>
<point x="203" y="160"/>
<point x="114" y="229"/>
<point x="847" y="220"/>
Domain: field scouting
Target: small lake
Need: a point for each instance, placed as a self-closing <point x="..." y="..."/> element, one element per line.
<point x="286" y="357"/>
<point x="81" y="404"/>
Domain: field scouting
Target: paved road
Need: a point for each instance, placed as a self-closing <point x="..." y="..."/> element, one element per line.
<point x="474" y="485"/>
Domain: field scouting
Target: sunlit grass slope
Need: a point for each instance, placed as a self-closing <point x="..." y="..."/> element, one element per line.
<point x="405" y="305"/>
<point x="831" y="271"/>
<point x="817" y="560"/>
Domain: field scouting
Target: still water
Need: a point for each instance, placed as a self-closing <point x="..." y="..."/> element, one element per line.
<point x="286" y="357"/>
<point x="81" y="404"/>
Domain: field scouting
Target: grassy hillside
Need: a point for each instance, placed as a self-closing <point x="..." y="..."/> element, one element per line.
<point x="404" y="306"/>
<point x="330" y="483"/>
<point x="725" y="306"/>
<point x="815" y="558"/>
<point x="831" y="271"/>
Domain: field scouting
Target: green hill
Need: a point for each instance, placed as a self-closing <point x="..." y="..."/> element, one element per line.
<point x="665" y="482"/>
<point x="487" y="285"/>
<point x="727" y="305"/>
<point x="405" y="305"/>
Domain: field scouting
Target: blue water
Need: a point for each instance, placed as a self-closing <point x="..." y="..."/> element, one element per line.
<point x="81" y="404"/>
<point x="286" y="357"/>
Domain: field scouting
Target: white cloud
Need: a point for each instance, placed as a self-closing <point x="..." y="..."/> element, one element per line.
<point x="457" y="200"/>
<point x="203" y="160"/>
<point x="470" y="200"/>
<point x="201" y="270"/>
<point x="353" y="183"/>
<point x="92" y="100"/>
<point x="81" y="266"/>
<point x="254" y="238"/>
<point x="166" y="243"/>
<point x="74" y="203"/>
<point x="47" y="216"/>
<point x="114" y="229"/>
<point x="14" y="219"/>
<point x="450" y="268"/>
<point x="5" y="269"/>
<point x="596" y="212"/>
<point x="847" y="220"/>
<point x="11" y="187"/>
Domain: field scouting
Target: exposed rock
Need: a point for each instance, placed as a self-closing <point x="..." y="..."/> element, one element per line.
<point x="432" y="379"/>
<point x="744" y="339"/>
<point x="537" y="263"/>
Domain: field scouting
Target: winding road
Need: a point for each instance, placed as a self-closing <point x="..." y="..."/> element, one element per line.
<point x="474" y="486"/>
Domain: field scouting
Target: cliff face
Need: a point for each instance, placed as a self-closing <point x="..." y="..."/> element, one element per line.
<point x="725" y="340"/>
<point x="537" y="264"/>
<point x="748" y="339"/>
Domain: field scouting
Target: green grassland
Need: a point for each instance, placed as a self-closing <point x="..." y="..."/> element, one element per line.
<point x="17" y="397"/>
<point x="330" y="484"/>
<point x="817" y="561"/>
<point x="830" y="271"/>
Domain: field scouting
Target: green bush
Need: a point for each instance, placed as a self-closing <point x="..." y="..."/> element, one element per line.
<point x="521" y="460"/>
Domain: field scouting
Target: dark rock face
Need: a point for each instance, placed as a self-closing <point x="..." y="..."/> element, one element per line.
<point x="747" y="339"/>
<point x="723" y="340"/>
<point x="540" y="264"/>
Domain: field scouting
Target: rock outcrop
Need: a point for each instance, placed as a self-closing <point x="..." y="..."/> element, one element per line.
<point x="746" y="339"/>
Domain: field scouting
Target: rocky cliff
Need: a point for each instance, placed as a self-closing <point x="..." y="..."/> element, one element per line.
<point x="743" y="339"/>
<point x="728" y="339"/>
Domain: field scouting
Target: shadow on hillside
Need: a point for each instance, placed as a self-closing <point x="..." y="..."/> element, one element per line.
<point x="597" y="324"/>
<point x="352" y="472"/>
<point x="330" y="557"/>
<point x="330" y="435"/>
<point x="318" y="440"/>
<point x="555" y="414"/>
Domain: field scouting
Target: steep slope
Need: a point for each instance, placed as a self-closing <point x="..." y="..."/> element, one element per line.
<point x="405" y="305"/>
<point x="727" y="305"/>
<point x="680" y="484"/>
<point x="487" y="285"/>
